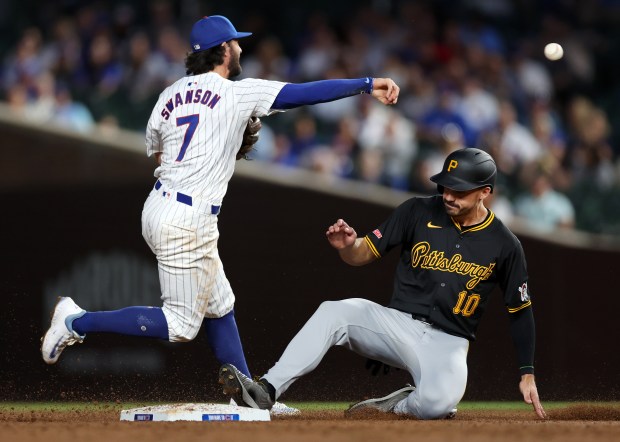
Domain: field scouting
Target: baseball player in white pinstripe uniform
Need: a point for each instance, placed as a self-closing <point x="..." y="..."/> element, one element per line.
<point x="194" y="132"/>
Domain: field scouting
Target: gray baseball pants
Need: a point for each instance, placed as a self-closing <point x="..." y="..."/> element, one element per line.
<point x="436" y="360"/>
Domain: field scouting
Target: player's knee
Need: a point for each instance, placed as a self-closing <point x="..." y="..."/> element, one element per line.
<point x="342" y="310"/>
<point x="434" y="405"/>
<point x="182" y="326"/>
<point x="332" y="312"/>
<point x="327" y="308"/>
<point x="186" y="335"/>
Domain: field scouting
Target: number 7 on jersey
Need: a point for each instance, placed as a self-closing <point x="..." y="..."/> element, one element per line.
<point x="192" y="122"/>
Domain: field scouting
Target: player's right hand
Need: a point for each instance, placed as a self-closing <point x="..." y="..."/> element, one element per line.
<point x="530" y="394"/>
<point x="340" y="235"/>
<point x="385" y="90"/>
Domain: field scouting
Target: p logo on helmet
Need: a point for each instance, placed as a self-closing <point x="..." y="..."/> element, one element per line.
<point x="466" y="169"/>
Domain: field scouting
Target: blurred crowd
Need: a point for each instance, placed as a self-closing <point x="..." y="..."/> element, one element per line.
<point x="472" y="74"/>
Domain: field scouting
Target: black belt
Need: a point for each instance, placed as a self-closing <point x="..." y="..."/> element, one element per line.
<point x="187" y="199"/>
<point x="421" y="318"/>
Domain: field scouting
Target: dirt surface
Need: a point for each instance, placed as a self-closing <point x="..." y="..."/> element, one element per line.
<point x="576" y="423"/>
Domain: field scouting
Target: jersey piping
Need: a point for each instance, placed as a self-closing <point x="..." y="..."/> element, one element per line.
<point x="372" y="247"/>
<point x="486" y="223"/>
<point x="516" y="309"/>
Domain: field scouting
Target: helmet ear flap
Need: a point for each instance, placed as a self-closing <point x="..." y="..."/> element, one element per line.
<point x="440" y="189"/>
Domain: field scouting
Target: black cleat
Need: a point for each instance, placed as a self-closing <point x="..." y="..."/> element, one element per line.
<point x="244" y="391"/>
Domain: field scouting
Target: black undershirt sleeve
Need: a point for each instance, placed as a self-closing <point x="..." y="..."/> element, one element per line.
<point x="523" y="333"/>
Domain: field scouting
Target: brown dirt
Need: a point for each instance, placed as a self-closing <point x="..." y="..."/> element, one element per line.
<point x="579" y="423"/>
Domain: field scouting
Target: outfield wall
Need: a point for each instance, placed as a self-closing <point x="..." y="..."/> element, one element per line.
<point x="71" y="226"/>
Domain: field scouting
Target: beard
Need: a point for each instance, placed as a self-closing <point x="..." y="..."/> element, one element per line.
<point x="234" y="66"/>
<point x="452" y="209"/>
<point x="457" y="210"/>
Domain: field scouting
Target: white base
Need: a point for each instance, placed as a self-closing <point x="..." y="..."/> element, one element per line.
<point x="195" y="412"/>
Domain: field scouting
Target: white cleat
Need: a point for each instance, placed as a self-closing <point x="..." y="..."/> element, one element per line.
<point x="278" y="409"/>
<point x="60" y="334"/>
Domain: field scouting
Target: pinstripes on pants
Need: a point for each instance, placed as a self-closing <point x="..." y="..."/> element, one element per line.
<point x="191" y="274"/>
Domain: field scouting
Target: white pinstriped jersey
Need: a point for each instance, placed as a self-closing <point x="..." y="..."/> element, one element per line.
<point x="198" y="124"/>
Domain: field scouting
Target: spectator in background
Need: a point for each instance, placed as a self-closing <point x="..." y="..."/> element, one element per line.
<point x="422" y="96"/>
<point x="144" y="71"/>
<point x="66" y="48"/>
<point x="547" y="129"/>
<point x="303" y="139"/>
<point x="345" y="145"/>
<point x="268" y="61"/>
<point x="478" y="107"/>
<point x="501" y="206"/>
<point x="104" y="69"/>
<point x="543" y="208"/>
<point x="361" y="51"/>
<point x="388" y="146"/>
<point x="478" y="32"/>
<point x="516" y="144"/>
<point x="17" y="100"/>
<point x="171" y="49"/>
<point x="400" y="147"/>
<point x="432" y="123"/>
<point x="27" y="61"/>
<point x="319" y="51"/>
<point x="590" y="157"/>
<point x="70" y="114"/>
<point x="431" y="160"/>
<point x="50" y="102"/>
<point x="533" y="78"/>
<point x="42" y="105"/>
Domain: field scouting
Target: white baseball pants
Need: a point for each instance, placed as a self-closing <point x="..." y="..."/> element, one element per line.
<point x="191" y="274"/>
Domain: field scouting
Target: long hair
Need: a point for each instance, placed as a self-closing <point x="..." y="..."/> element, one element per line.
<point x="204" y="61"/>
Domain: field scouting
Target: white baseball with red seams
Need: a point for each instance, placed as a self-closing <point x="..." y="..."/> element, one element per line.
<point x="197" y="126"/>
<point x="554" y="51"/>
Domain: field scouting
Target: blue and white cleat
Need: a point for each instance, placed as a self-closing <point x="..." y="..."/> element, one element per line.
<point x="60" y="334"/>
<point x="278" y="409"/>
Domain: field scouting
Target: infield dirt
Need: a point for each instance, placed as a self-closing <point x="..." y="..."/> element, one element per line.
<point x="576" y="423"/>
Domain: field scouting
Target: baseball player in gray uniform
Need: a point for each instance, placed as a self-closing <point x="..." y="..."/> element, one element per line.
<point x="194" y="132"/>
<point x="453" y="253"/>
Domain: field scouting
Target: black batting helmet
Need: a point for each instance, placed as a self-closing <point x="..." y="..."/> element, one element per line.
<point x="466" y="169"/>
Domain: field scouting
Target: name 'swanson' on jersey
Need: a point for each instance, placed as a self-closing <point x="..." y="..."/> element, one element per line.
<point x="206" y="98"/>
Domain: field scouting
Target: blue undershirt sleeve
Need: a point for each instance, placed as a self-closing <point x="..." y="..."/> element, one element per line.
<point x="298" y="94"/>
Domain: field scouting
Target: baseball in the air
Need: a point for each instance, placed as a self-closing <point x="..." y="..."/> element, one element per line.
<point x="554" y="51"/>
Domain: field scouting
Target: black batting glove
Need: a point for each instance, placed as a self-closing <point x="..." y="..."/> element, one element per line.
<point x="376" y="367"/>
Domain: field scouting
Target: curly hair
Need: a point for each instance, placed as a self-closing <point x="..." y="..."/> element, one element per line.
<point x="204" y="61"/>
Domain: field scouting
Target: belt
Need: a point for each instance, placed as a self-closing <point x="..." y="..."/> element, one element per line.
<point x="421" y="318"/>
<point x="185" y="199"/>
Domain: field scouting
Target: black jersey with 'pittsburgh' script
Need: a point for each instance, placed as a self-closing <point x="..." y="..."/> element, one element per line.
<point x="447" y="272"/>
